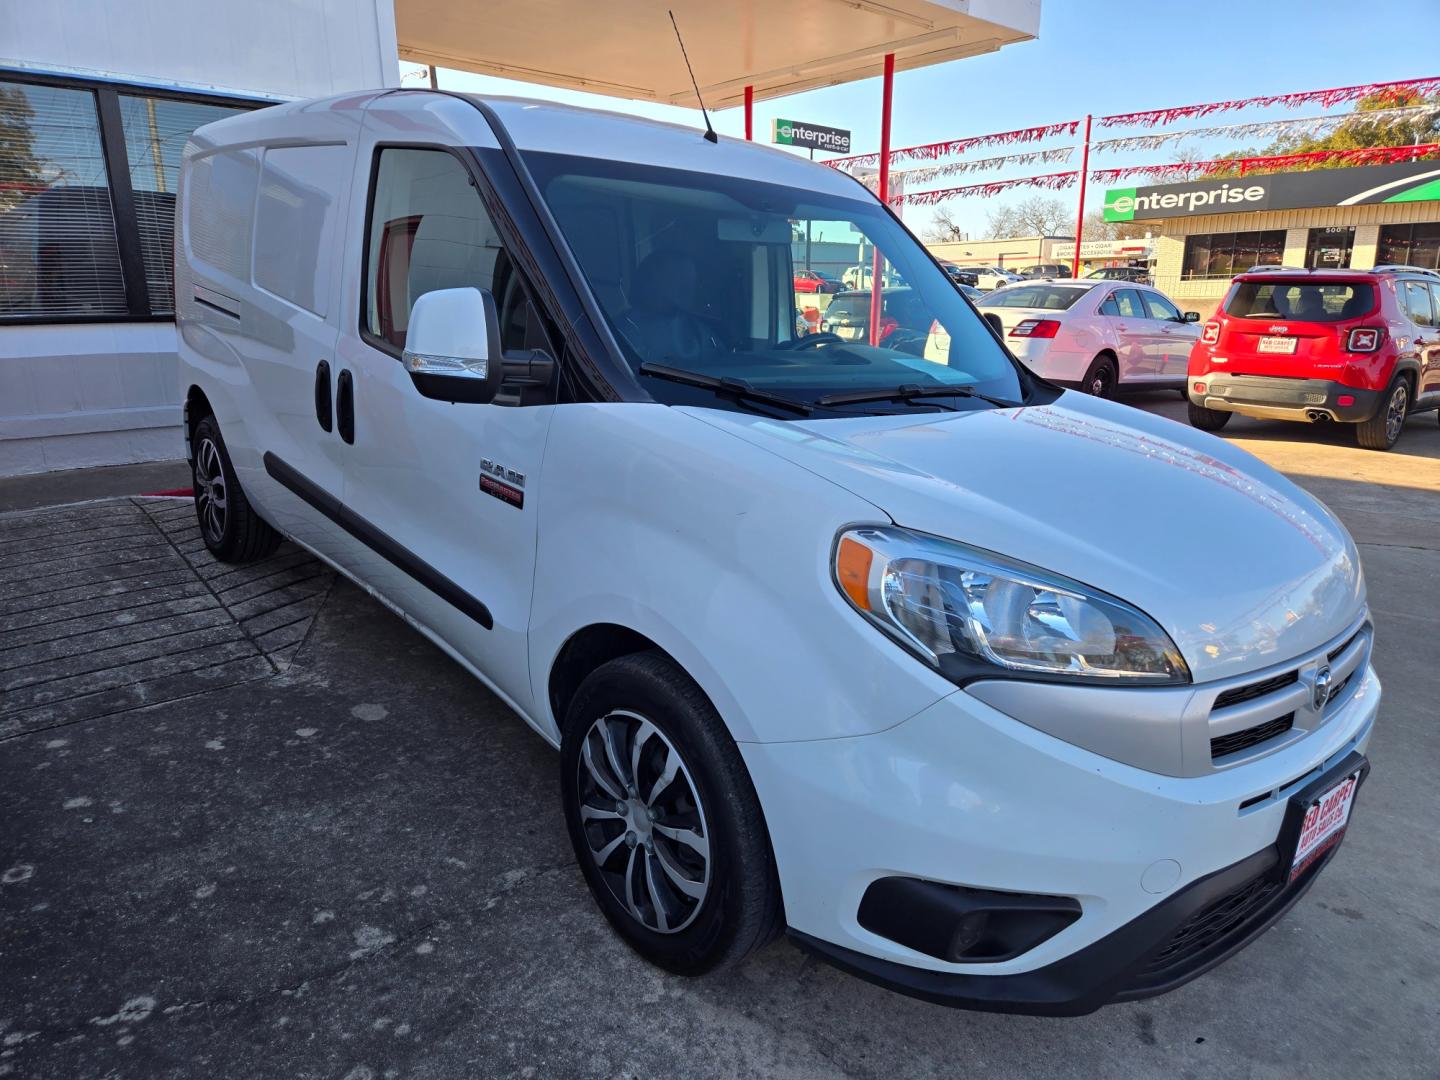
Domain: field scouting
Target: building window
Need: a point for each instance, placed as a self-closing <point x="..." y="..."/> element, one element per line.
<point x="1223" y="255"/>
<point x="156" y="130"/>
<point x="1410" y="245"/>
<point x="58" y="251"/>
<point x="87" y="197"/>
<point x="1329" y="248"/>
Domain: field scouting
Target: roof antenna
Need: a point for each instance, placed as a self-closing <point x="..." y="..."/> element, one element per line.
<point x="710" y="135"/>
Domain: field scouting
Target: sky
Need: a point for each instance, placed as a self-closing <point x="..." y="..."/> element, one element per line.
<point x="1092" y="56"/>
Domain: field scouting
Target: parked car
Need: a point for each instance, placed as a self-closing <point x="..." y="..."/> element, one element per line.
<point x="1120" y="273"/>
<point x="812" y="281"/>
<point x="992" y="277"/>
<point x="1322" y="346"/>
<point x="904" y="318"/>
<point x="1095" y="337"/>
<point x="859" y="277"/>
<point x="961" y="275"/>
<point x="970" y="292"/>
<point x="918" y="660"/>
<point x="1042" y="271"/>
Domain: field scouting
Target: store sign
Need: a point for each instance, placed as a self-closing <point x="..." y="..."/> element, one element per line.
<point x="810" y="136"/>
<point x="1411" y="181"/>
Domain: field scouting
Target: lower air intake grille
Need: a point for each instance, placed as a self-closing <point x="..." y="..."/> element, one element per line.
<point x="1252" y="736"/>
<point x="1210" y="927"/>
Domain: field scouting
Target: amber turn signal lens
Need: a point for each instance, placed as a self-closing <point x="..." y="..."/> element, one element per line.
<point x="852" y="568"/>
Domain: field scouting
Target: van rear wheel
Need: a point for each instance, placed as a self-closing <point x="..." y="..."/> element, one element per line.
<point x="1382" y="430"/>
<point x="233" y="532"/>
<point x="1207" y="419"/>
<point x="663" y="818"/>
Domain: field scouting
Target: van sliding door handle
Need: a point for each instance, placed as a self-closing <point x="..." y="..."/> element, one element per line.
<point x="345" y="406"/>
<point x="323" y="409"/>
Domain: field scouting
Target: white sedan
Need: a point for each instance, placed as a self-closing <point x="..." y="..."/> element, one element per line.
<point x="1096" y="336"/>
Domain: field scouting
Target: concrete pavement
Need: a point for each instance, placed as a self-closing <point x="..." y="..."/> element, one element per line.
<point x="341" y="857"/>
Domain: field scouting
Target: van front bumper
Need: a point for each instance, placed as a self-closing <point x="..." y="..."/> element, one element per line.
<point x="1269" y="398"/>
<point x="963" y="795"/>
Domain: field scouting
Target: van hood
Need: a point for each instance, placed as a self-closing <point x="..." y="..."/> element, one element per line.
<point x="1240" y="566"/>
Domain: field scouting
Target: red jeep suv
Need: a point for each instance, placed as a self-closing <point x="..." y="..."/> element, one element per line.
<point x="1355" y="347"/>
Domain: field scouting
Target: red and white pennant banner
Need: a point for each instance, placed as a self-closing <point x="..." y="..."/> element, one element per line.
<point x="1397" y="91"/>
<point x="1050" y="181"/>
<point x="1180" y="170"/>
<point x="969" y="165"/>
<point x="1310" y="125"/>
<point x="935" y="151"/>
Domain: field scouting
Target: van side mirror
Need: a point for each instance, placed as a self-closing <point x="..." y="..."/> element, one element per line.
<point x="452" y="346"/>
<point x="1190" y="316"/>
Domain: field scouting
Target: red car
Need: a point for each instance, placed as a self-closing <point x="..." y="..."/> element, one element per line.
<point x="814" y="282"/>
<point x="1355" y="347"/>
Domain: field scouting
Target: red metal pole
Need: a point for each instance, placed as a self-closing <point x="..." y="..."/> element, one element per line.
<point x="1080" y="214"/>
<point x="749" y="113"/>
<point x="883" y="190"/>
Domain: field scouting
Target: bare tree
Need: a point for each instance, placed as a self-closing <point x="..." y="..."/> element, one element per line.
<point x="1097" y="228"/>
<point x="944" y="227"/>
<point x="1038" y="215"/>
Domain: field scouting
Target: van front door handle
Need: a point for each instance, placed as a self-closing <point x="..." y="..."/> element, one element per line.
<point x="345" y="406"/>
<point x="323" y="410"/>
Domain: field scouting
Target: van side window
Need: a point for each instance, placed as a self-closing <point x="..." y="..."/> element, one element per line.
<point x="429" y="230"/>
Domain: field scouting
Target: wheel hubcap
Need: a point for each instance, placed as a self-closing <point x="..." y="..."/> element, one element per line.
<point x="1395" y="414"/>
<point x="210" y="493"/>
<point x="643" y="822"/>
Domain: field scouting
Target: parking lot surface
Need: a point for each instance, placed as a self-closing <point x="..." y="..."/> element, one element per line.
<point x="253" y="825"/>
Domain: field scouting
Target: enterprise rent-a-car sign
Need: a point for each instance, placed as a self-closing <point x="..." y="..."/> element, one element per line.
<point x="812" y="136"/>
<point x="1413" y="181"/>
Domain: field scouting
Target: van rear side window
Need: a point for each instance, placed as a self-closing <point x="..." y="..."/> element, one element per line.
<point x="295" y="222"/>
<point x="220" y="211"/>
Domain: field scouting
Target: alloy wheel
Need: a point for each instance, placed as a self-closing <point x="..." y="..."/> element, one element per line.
<point x="1395" y="412"/>
<point x="210" y="494"/>
<point x="643" y="822"/>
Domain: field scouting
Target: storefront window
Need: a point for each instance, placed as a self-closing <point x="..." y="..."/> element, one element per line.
<point x="1329" y="248"/>
<point x="1417" y="244"/>
<point x="156" y="130"/>
<point x="1223" y="255"/>
<point x="58" y="252"/>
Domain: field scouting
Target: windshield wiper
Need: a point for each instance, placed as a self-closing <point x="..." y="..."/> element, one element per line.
<point x="913" y="392"/>
<point x="735" y="389"/>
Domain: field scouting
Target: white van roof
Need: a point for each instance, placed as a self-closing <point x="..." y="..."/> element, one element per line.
<point x="547" y="126"/>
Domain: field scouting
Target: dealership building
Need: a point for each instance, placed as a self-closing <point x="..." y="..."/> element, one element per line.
<point x="1351" y="218"/>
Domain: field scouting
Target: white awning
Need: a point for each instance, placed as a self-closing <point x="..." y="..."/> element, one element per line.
<point x="626" y="48"/>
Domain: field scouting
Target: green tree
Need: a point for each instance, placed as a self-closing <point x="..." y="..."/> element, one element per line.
<point x="1352" y="134"/>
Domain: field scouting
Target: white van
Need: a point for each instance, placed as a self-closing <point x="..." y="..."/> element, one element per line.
<point x="830" y="637"/>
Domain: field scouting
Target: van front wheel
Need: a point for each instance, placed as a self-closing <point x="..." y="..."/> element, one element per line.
<point x="232" y="530"/>
<point x="663" y="818"/>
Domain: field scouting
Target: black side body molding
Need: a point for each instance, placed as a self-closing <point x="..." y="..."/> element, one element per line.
<point x="377" y="541"/>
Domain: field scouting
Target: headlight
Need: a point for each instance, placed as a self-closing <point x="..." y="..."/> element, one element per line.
<point x="969" y="612"/>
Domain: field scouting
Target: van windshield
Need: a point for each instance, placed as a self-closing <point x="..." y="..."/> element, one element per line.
<point x="697" y="272"/>
<point x="1301" y="301"/>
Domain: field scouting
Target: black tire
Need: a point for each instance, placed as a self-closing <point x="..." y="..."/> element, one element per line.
<point x="1102" y="379"/>
<point x="1382" y="430"/>
<point x="739" y="908"/>
<point x="1207" y="419"/>
<point x="232" y="530"/>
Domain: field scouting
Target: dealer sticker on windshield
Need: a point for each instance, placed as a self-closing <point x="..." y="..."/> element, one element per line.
<point x="1324" y="823"/>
